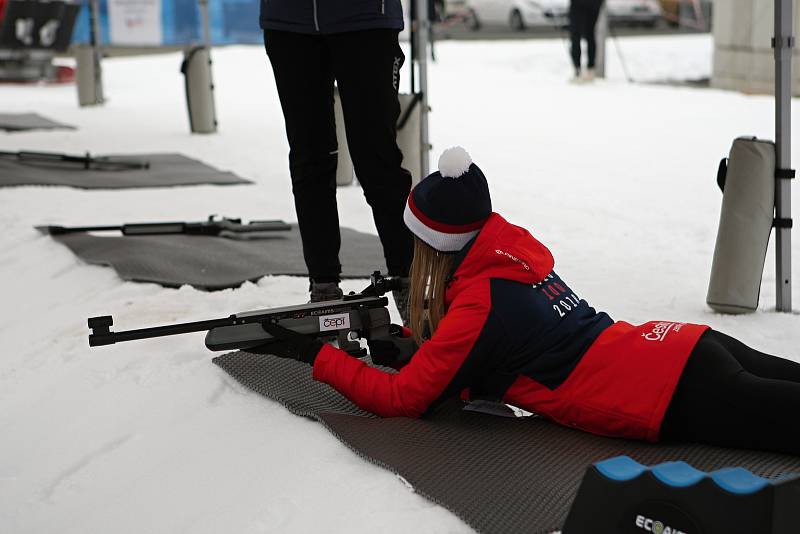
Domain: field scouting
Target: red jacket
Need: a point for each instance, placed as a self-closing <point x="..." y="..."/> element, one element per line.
<point x="514" y="331"/>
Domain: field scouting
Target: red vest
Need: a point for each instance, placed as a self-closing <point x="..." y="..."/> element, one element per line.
<point x="622" y="385"/>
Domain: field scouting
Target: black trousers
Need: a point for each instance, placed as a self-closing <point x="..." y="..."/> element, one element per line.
<point x="583" y="16"/>
<point x="734" y="396"/>
<point x="366" y="67"/>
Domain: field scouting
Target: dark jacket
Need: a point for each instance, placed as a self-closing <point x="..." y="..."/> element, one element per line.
<point x="508" y="314"/>
<point x="330" y="16"/>
<point x="515" y="331"/>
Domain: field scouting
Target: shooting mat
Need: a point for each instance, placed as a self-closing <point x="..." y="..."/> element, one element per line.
<point x="20" y="122"/>
<point x="499" y="475"/>
<point x="166" y="170"/>
<point x="212" y="263"/>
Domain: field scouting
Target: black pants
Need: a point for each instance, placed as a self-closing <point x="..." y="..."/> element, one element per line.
<point x="734" y="396"/>
<point x="365" y="65"/>
<point x="582" y="20"/>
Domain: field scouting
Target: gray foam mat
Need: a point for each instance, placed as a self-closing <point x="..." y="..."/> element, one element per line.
<point x="20" y="122"/>
<point x="166" y="170"/>
<point x="499" y="475"/>
<point x="212" y="263"/>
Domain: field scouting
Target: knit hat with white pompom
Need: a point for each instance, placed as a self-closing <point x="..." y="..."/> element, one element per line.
<point x="449" y="207"/>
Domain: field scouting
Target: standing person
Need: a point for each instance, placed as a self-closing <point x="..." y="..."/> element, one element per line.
<point x="311" y="44"/>
<point x="503" y="325"/>
<point x="583" y="16"/>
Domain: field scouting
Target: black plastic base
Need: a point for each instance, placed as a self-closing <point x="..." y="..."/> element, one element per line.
<point x="616" y="496"/>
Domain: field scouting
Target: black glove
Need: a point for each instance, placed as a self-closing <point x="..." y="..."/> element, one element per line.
<point x="290" y="344"/>
<point x="395" y="351"/>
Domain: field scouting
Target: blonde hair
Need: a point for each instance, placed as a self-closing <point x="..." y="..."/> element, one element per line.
<point x="429" y="274"/>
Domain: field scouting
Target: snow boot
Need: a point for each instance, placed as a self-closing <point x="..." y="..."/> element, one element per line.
<point x="401" y="301"/>
<point x="322" y="291"/>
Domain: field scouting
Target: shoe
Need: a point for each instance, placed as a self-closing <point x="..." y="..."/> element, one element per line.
<point x="401" y="300"/>
<point x="322" y="291"/>
<point x="577" y="78"/>
<point x="589" y="75"/>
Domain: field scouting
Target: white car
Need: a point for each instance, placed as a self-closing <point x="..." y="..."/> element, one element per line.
<point x="519" y="14"/>
<point x="644" y="12"/>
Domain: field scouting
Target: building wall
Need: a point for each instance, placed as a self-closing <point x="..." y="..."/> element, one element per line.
<point x="743" y="57"/>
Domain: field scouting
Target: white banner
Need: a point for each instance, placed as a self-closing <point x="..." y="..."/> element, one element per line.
<point x="135" y="22"/>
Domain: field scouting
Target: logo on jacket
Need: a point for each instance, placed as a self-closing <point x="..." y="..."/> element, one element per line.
<point x="334" y="322"/>
<point x="512" y="258"/>
<point x="398" y="62"/>
<point x="661" y="330"/>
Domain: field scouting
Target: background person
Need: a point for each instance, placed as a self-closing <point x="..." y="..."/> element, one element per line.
<point x="311" y="43"/>
<point x="505" y="326"/>
<point x="583" y="16"/>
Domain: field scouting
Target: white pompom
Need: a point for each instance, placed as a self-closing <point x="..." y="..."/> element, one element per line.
<point x="454" y="162"/>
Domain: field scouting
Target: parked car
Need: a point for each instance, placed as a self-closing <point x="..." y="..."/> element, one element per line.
<point x="640" y="12"/>
<point x="518" y="14"/>
<point x="692" y="13"/>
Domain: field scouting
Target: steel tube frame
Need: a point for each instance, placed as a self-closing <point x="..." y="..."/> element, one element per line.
<point x="422" y="31"/>
<point x="95" y="38"/>
<point x="783" y="44"/>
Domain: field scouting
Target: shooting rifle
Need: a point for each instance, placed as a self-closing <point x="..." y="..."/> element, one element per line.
<point x="357" y="315"/>
<point x="87" y="161"/>
<point x="213" y="227"/>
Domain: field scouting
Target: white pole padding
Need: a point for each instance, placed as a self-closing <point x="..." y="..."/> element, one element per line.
<point x="86" y="76"/>
<point x="408" y="135"/>
<point x="199" y="90"/>
<point x="601" y="31"/>
<point x="89" y="74"/>
<point x="344" y="165"/>
<point x="745" y="224"/>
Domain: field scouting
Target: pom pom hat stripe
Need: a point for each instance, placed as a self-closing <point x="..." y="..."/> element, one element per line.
<point x="439" y="226"/>
<point x="449" y="207"/>
<point x="441" y="241"/>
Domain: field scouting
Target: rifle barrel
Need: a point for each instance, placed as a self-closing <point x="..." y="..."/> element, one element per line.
<point x="58" y="230"/>
<point x="104" y="337"/>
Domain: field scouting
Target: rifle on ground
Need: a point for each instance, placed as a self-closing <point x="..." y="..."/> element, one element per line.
<point x="213" y="227"/>
<point x="357" y="315"/>
<point x="87" y="161"/>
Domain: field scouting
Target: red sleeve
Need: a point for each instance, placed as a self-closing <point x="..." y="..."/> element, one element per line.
<point x="410" y="392"/>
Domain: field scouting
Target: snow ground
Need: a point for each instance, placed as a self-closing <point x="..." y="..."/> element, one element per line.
<point x="149" y="437"/>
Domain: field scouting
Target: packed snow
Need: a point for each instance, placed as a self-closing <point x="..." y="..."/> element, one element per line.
<point x="618" y="179"/>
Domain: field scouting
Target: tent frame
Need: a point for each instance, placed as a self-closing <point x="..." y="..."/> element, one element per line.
<point x="783" y="43"/>
<point x="420" y="41"/>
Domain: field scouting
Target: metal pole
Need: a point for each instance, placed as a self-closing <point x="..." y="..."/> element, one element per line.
<point x="783" y="44"/>
<point x="94" y="14"/>
<point x="206" y="29"/>
<point x="423" y="25"/>
<point x="412" y="43"/>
